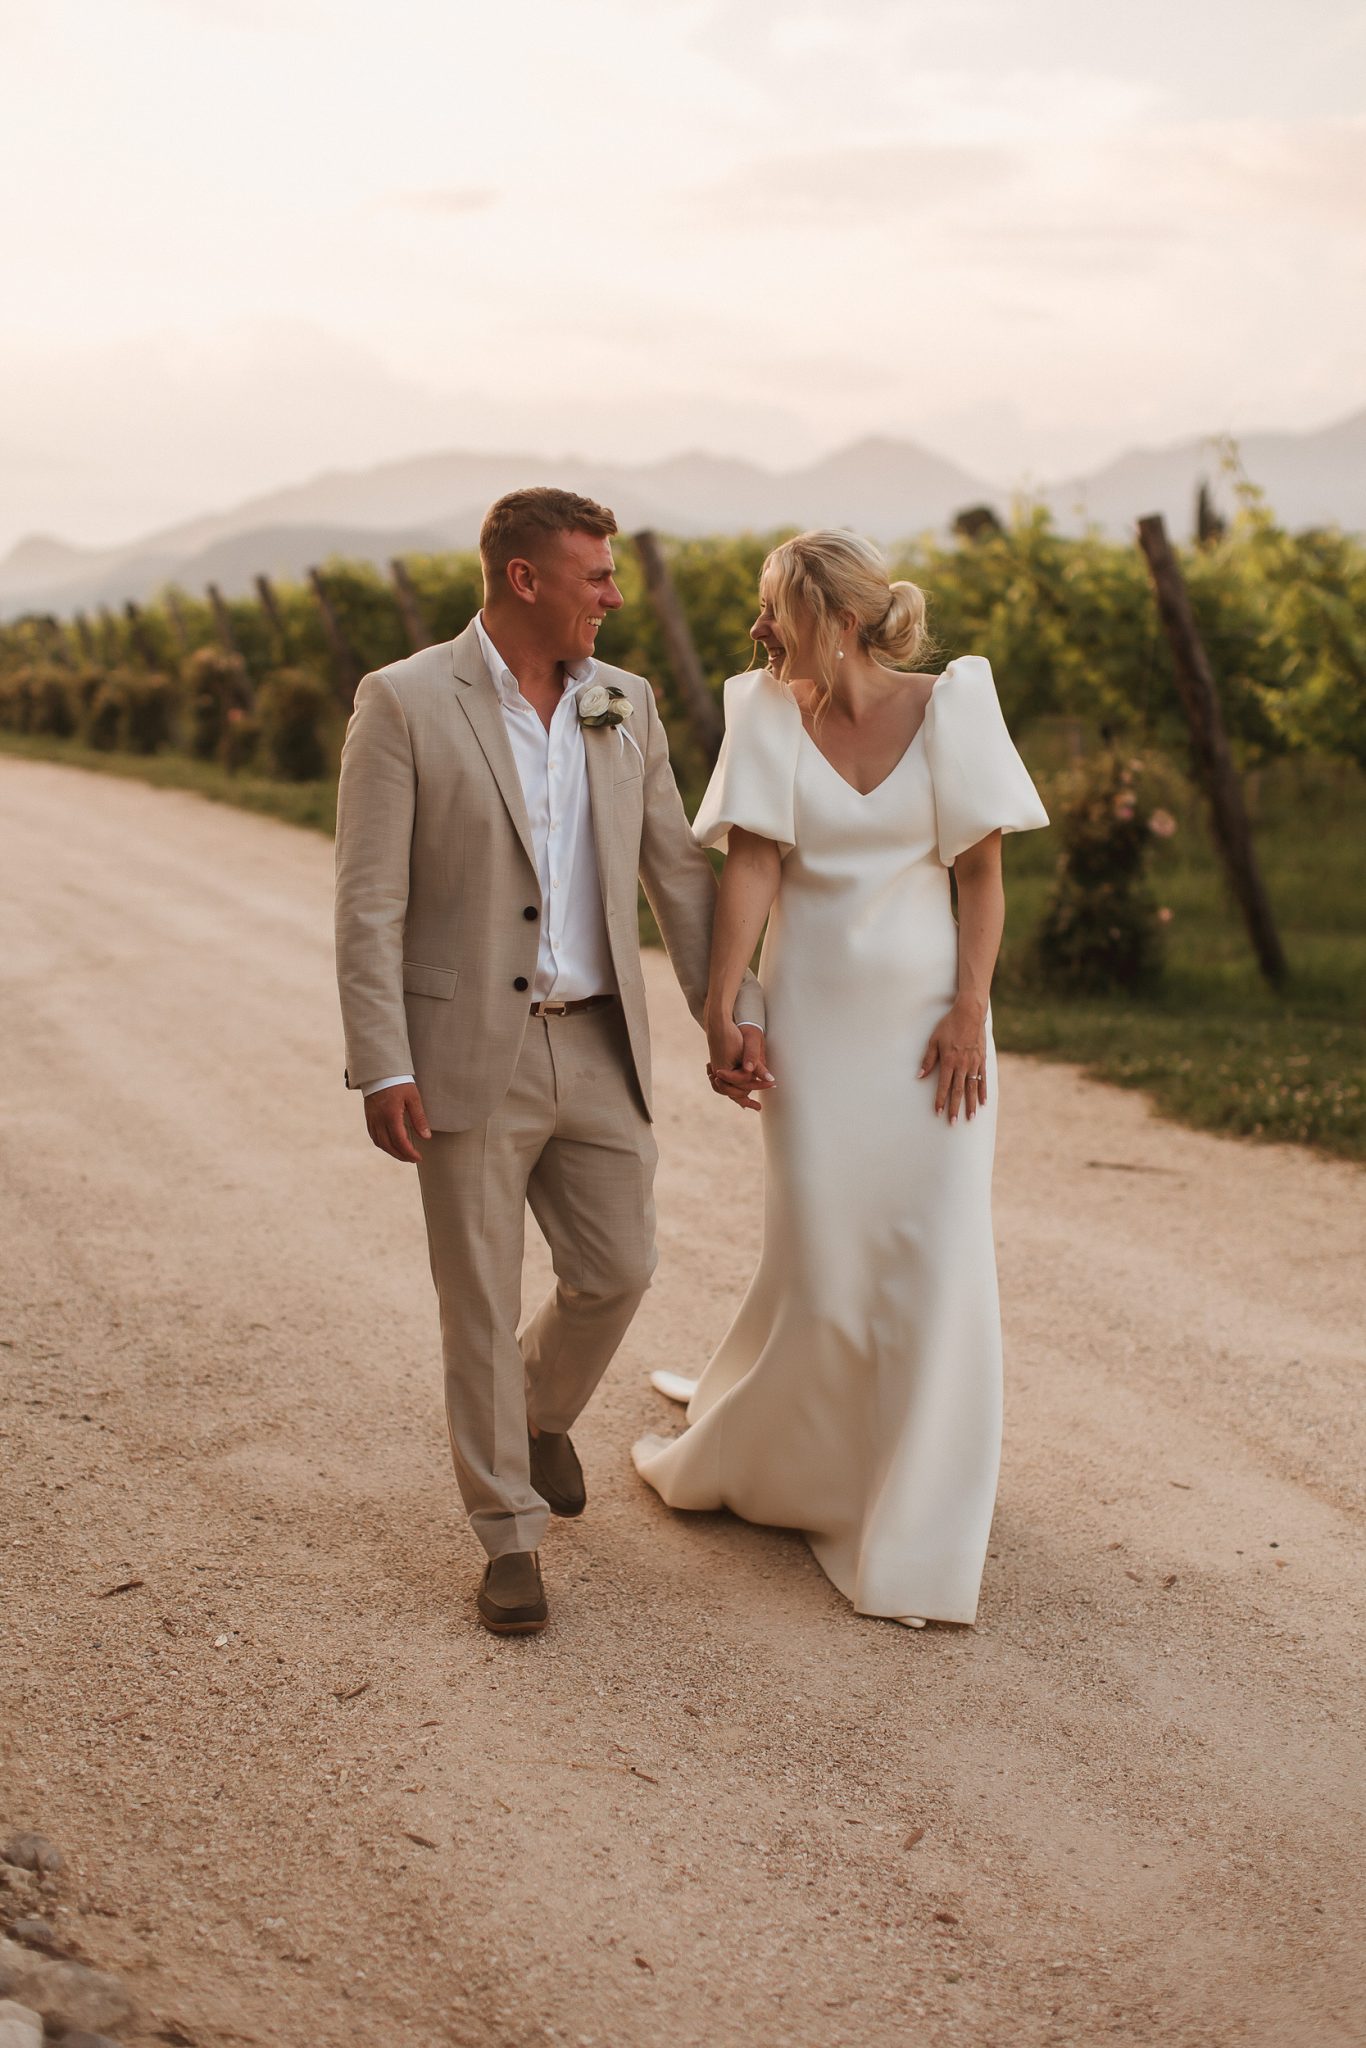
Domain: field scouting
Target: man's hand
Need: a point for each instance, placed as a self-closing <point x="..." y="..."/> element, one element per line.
<point x="393" y="1117"/>
<point x="738" y="1066"/>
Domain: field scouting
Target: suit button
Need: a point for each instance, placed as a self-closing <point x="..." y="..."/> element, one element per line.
<point x="521" y="982"/>
<point x="531" y="913"/>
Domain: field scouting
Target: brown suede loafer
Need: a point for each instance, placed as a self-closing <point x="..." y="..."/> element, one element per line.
<point x="557" y="1474"/>
<point x="512" y="1598"/>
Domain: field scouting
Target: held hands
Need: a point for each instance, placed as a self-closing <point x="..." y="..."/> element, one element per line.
<point x="736" y="1064"/>
<point x="958" y="1048"/>
<point x="393" y="1117"/>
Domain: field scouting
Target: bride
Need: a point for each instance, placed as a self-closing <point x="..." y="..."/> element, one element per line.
<point x="857" y="1394"/>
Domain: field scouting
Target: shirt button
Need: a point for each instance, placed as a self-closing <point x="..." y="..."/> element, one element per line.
<point x="531" y="913"/>
<point x="521" y="983"/>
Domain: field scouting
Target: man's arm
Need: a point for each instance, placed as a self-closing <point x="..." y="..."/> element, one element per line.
<point x="375" y="803"/>
<point x="679" y="884"/>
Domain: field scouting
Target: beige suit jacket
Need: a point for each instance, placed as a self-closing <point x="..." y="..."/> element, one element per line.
<point x="438" y="899"/>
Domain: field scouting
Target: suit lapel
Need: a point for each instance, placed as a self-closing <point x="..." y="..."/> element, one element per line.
<point x="478" y="699"/>
<point x="600" y="744"/>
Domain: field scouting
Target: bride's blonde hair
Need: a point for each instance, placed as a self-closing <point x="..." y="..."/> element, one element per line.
<point x="829" y="571"/>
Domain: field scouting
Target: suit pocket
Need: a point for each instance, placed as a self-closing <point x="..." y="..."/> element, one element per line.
<point x="429" y="981"/>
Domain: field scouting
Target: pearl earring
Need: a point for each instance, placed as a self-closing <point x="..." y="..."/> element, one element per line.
<point x="839" y="654"/>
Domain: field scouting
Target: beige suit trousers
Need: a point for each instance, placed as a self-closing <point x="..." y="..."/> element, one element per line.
<point x="572" y="1140"/>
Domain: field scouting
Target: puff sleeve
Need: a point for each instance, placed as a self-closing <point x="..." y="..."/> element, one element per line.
<point x="752" y="783"/>
<point x="980" y="783"/>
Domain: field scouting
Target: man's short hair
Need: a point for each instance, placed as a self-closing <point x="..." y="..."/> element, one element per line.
<point x="516" y="524"/>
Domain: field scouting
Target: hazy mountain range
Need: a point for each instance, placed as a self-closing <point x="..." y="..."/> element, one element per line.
<point x="890" y="489"/>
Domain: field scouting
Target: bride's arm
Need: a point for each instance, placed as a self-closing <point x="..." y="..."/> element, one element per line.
<point x="958" y="1045"/>
<point x="749" y="883"/>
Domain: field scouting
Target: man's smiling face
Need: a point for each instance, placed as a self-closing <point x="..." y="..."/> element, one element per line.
<point x="575" y="590"/>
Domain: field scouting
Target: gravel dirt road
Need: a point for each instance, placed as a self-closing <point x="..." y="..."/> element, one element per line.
<point x="306" y="1800"/>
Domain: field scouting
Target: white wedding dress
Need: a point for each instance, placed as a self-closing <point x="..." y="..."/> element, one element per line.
<point x="857" y="1394"/>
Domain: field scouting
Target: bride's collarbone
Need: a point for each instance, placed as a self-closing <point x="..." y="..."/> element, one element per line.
<point x="865" y="750"/>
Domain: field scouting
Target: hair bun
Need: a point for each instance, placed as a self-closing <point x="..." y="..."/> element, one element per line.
<point x="900" y="632"/>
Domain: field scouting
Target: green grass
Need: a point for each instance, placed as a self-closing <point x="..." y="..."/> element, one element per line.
<point x="298" y="803"/>
<point x="1212" y="1047"/>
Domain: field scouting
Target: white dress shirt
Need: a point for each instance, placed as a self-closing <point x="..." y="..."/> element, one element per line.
<point x="574" y="959"/>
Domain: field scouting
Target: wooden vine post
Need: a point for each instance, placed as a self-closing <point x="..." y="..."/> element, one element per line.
<point x="222" y="621"/>
<point x="175" y="612"/>
<point x="1214" y="764"/>
<point x="55" y="634"/>
<point x="241" y="686"/>
<point x="346" y="668"/>
<point x="1210" y="525"/>
<point x="978" y="523"/>
<point x="139" y="634"/>
<point x="702" y="710"/>
<point x="409" y="606"/>
<point x="270" y="605"/>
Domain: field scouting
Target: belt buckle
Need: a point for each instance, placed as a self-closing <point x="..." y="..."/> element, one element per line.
<point x="551" y="1009"/>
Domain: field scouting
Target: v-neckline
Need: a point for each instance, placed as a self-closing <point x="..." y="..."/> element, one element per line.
<point x="864" y="795"/>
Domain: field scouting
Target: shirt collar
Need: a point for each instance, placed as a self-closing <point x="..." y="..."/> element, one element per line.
<point x="580" y="673"/>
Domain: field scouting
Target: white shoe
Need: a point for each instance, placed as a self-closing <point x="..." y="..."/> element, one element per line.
<point x="909" y="1620"/>
<point x="649" y="1446"/>
<point x="673" y="1386"/>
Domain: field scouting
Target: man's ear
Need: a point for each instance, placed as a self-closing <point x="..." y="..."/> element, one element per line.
<point x="521" y="577"/>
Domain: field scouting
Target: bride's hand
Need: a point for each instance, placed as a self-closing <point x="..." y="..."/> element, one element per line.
<point x="735" y="1063"/>
<point x="958" y="1048"/>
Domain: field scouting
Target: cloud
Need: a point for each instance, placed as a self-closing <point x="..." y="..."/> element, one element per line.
<point x="852" y="186"/>
<point x="263" y="15"/>
<point x="444" y="201"/>
<point x="967" y="70"/>
<point x="1065" y="65"/>
<point x="1299" y="171"/>
<point x="842" y="376"/>
<point x="139" y="432"/>
<point x="1059" y="211"/>
<point x="1216" y="194"/>
<point x="98" y="443"/>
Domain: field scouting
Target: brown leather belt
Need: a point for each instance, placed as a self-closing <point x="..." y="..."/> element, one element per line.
<point x="553" y="1009"/>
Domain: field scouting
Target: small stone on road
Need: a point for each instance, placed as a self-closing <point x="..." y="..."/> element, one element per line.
<point x="19" y="2028"/>
<point x="33" y="1852"/>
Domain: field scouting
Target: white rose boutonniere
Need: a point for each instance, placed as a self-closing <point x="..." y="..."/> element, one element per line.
<point x="603" y="704"/>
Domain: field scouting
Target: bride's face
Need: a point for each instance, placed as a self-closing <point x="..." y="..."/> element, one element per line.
<point x="764" y="632"/>
<point x="786" y="662"/>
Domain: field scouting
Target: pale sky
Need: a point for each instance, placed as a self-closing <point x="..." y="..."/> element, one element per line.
<point x="248" y="240"/>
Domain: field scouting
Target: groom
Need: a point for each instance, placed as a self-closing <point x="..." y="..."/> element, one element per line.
<point x="500" y="794"/>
